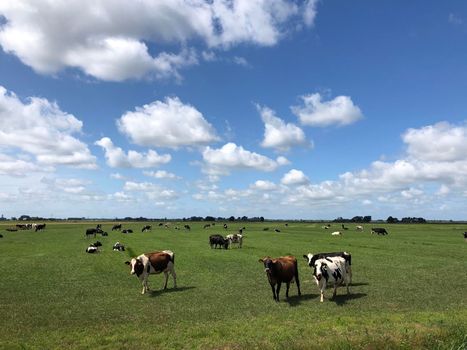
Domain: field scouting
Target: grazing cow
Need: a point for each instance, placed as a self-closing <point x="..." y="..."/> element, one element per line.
<point x="117" y="227"/>
<point x="359" y="228"/>
<point x="331" y="269"/>
<point x="22" y="226"/>
<point x="277" y="230"/>
<point x="344" y="228"/>
<point x="104" y="234"/>
<point x="127" y="231"/>
<point x="225" y="226"/>
<point x="207" y="226"/>
<point x="379" y="231"/>
<point x="91" y="232"/>
<point x="187" y="227"/>
<point x="218" y="240"/>
<point x="39" y="227"/>
<point x="161" y="224"/>
<point x="146" y="228"/>
<point x="92" y="249"/>
<point x="311" y="259"/>
<point x="1" y="236"/>
<point x="153" y="263"/>
<point x="235" y="238"/>
<point x="336" y="233"/>
<point x="118" y="247"/>
<point x="266" y="229"/>
<point x="278" y="270"/>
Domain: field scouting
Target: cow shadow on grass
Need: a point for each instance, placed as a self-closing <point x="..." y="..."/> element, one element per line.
<point x="342" y="299"/>
<point x="155" y="293"/>
<point x="296" y="300"/>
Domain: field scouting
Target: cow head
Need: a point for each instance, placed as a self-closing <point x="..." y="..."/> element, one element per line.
<point x="320" y="270"/>
<point x="268" y="263"/>
<point x="136" y="266"/>
<point x="308" y="257"/>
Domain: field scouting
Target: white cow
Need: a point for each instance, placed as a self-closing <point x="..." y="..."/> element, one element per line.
<point x="336" y="233"/>
<point x="153" y="263"/>
<point x="359" y="228"/>
<point x="332" y="269"/>
<point x="236" y="238"/>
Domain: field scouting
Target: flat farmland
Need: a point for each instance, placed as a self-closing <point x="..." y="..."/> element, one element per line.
<point x="408" y="291"/>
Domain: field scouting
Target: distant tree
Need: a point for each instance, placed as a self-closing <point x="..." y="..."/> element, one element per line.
<point x="391" y="220"/>
<point x="367" y="218"/>
<point x="244" y="218"/>
<point x="357" y="219"/>
<point x="232" y="218"/>
<point x="209" y="218"/>
<point x="24" y="217"/>
<point x="261" y="219"/>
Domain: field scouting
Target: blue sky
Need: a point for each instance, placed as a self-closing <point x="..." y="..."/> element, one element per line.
<point x="282" y="109"/>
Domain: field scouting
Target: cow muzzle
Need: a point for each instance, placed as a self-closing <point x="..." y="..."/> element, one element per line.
<point x="318" y="277"/>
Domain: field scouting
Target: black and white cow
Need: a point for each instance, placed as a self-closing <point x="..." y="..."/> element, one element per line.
<point x="118" y="247"/>
<point x="91" y="232"/>
<point x="311" y="259"/>
<point x="465" y="235"/>
<point x="379" y="231"/>
<point x="153" y="263"/>
<point x="146" y="228"/>
<point x="117" y="227"/>
<point x="235" y="238"/>
<point x="331" y="270"/>
<point x="39" y="227"/>
<point x="92" y="249"/>
<point x="187" y="227"/>
<point x="129" y="230"/>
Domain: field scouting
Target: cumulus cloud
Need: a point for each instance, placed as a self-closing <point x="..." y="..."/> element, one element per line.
<point x="230" y="156"/>
<point x="16" y="167"/>
<point x="73" y="185"/>
<point x="315" y="112"/>
<point x="278" y="134"/>
<point x="116" y="157"/>
<point x="263" y="185"/>
<point x="111" y="39"/>
<point x="294" y="177"/>
<point x="161" y="174"/>
<point x="168" y="123"/>
<point x="38" y="127"/>
<point x="152" y="191"/>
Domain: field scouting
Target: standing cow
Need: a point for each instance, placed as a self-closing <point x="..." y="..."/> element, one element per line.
<point x="282" y="269"/>
<point x="153" y="263"/>
<point x="311" y="259"/>
<point x="331" y="269"/>
<point x="235" y="238"/>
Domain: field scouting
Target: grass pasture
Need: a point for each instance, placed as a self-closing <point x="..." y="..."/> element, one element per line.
<point x="408" y="290"/>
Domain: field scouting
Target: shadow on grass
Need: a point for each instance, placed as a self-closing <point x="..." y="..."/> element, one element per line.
<point x="155" y="293"/>
<point x="296" y="300"/>
<point x="342" y="299"/>
<point x="358" y="284"/>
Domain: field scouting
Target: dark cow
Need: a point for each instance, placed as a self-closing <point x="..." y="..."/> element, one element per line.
<point x="96" y="244"/>
<point x="146" y="228"/>
<point x="153" y="263"/>
<point x="282" y="269"/>
<point x="207" y="226"/>
<point x="311" y="259"/>
<point x="127" y="231"/>
<point x="91" y="232"/>
<point x="465" y="235"/>
<point x="277" y="230"/>
<point x="104" y="234"/>
<point x="118" y="247"/>
<point x="39" y="227"/>
<point x="266" y="229"/>
<point x="344" y="228"/>
<point x="22" y="226"/>
<point x="225" y="226"/>
<point x="1" y="236"/>
<point x="117" y="227"/>
<point x="218" y="240"/>
<point x="187" y="227"/>
<point x="379" y="231"/>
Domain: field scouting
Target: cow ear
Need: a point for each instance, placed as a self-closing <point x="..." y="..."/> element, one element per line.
<point x="127" y="262"/>
<point x="305" y="256"/>
<point x="261" y="260"/>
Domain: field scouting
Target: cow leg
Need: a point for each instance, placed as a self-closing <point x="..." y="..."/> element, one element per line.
<point x="166" y="273"/>
<point x="273" y="292"/>
<point x="278" y="289"/>
<point x="287" y="290"/>
<point x="335" y="290"/>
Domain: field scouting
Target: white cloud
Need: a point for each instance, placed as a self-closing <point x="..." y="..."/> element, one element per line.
<point x="294" y="177"/>
<point x="161" y="174"/>
<point x="16" y="167"/>
<point x="41" y="129"/>
<point x="117" y="176"/>
<point x="152" y="191"/>
<point x="263" y="185"/>
<point x="116" y="158"/>
<point x="339" y="111"/>
<point x="72" y="186"/>
<point x="221" y="161"/>
<point x="439" y="142"/>
<point x="278" y="134"/>
<point x="110" y="39"/>
<point x="167" y="124"/>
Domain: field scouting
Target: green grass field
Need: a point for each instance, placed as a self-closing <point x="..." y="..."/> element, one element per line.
<point x="409" y="290"/>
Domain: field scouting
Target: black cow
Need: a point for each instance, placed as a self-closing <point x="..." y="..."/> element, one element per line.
<point x="1" y="236"/>
<point x="117" y="227"/>
<point x="127" y="231"/>
<point x="96" y="244"/>
<point x="187" y="227"/>
<point x="277" y="230"/>
<point x="465" y="235"/>
<point x="91" y="232"/>
<point x="379" y="231"/>
<point x="218" y="240"/>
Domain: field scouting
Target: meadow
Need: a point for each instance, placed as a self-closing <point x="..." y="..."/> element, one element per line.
<point x="408" y="290"/>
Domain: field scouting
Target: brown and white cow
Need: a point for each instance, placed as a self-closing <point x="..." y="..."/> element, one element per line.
<point x="153" y="263"/>
<point x="282" y="269"/>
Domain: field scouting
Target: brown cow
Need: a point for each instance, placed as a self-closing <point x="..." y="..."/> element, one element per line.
<point x="153" y="263"/>
<point x="278" y="270"/>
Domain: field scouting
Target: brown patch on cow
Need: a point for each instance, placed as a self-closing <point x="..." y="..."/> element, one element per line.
<point x="159" y="260"/>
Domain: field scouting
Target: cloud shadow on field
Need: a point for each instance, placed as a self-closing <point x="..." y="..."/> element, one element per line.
<point x="155" y="293"/>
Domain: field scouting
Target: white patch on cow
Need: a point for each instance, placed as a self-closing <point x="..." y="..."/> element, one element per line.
<point x="336" y="233"/>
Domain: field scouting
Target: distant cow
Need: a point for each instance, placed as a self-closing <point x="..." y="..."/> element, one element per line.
<point x="359" y="228"/>
<point x="218" y="240"/>
<point x="91" y="232"/>
<point x="92" y="249"/>
<point x="331" y="269"/>
<point x="146" y="228"/>
<point x="39" y="227"/>
<point x="282" y="269"/>
<point x="117" y="227"/>
<point x="277" y="230"/>
<point x="266" y="229"/>
<point x="311" y="259"/>
<point x="118" y="247"/>
<point x="127" y="231"/>
<point x="344" y="228"/>
<point x="207" y="226"/>
<point x="379" y="231"/>
<point x="336" y="233"/>
<point x="465" y="235"/>
<point x="235" y="238"/>
<point x="96" y="244"/>
<point x="153" y="263"/>
<point x="225" y="226"/>
<point x="187" y="227"/>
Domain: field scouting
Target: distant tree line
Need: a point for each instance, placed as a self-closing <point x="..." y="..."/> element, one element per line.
<point x="359" y="219"/>
<point x="219" y="218"/>
<point x="406" y="220"/>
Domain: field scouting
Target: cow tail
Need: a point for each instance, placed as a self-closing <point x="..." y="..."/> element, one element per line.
<point x="296" y="274"/>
